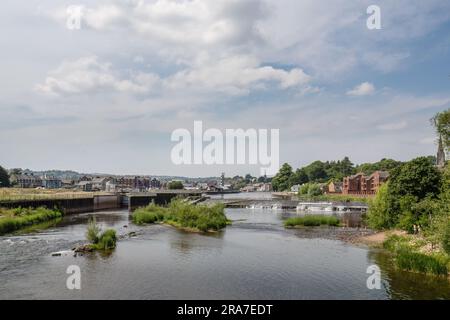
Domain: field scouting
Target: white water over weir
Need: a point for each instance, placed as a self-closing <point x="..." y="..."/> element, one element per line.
<point x="294" y="205"/>
<point x="331" y="206"/>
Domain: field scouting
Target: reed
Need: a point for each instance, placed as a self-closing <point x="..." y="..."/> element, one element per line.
<point x="419" y="262"/>
<point x="184" y="215"/>
<point x="312" y="221"/>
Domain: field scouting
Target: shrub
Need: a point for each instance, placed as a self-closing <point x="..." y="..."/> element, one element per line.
<point x="408" y="258"/>
<point x="185" y="215"/>
<point x="175" y="185"/>
<point x="107" y="240"/>
<point x="312" y="190"/>
<point x="93" y="231"/>
<point x="395" y="242"/>
<point x="150" y="214"/>
<point x="303" y="189"/>
<point x="378" y="216"/>
<point x="312" y="221"/>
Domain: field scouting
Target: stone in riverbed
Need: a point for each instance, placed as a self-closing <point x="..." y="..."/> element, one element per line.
<point x="61" y="253"/>
<point x="84" y="248"/>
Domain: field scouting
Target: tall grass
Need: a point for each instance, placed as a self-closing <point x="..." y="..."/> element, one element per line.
<point x="184" y="215"/>
<point x="312" y="221"/>
<point x="408" y="258"/>
<point x="100" y="240"/>
<point x="107" y="240"/>
<point x="93" y="231"/>
<point x="15" y="219"/>
<point x="415" y="261"/>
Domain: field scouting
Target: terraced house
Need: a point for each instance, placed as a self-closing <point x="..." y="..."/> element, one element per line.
<point x="26" y="180"/>
<point x="360" y="184"/>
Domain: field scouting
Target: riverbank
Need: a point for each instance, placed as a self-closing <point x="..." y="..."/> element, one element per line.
<point x="15" y="219"/>
<point x="376" y="238"/>
<point x="411" y="252"/>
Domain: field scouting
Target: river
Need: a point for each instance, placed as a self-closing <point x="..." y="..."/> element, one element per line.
<point x="254" y="258"/>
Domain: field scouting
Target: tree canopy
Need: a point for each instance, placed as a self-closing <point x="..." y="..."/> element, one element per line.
<point x="382" y="165"/>
<point x="175" y="185"/>
<point x="4" y="178"/>
<point x="281" y="181"/>
<point x="323" y="172"/>
<point x="441" y="123"/>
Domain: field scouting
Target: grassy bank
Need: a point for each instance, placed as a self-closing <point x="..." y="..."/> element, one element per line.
<point x="15" y="219"/>
<point x="312" y="221"/>
<point x="412" y="253"/>
<point x="183" y="215"/>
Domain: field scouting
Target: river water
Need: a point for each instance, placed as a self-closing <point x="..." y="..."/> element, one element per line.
<point x="254" y="258"/>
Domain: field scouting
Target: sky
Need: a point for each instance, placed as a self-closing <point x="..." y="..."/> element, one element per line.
<point x="106" y="97"/>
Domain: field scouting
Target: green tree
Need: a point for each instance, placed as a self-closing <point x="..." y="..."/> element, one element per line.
<point x="409" y="198"/>
<point x="175" y="185"/>
<point x="441" y="122"/>
<point x="4" y="178"/>
<point x="298" y="177"/>
<point x="316" y="172"/>
<point x="281" y="180"/>
<point x="418" y="177"/>
<point x="379" y="215"/>
<point x="382" y="165"/>
<point x="314" y="190"/>
<point x="248" y="178"/>
<point x="304" y="189"/>
<point x="346" y="167"/>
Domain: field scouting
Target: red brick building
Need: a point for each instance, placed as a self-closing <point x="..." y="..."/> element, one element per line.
<point x="360" y="184"/>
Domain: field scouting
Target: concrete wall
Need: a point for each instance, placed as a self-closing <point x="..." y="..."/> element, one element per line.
<point x="105" y="202"/>
<point x="70" y="206"/>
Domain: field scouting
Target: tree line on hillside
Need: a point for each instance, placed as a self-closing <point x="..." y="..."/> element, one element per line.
<point x="322" y="172"/>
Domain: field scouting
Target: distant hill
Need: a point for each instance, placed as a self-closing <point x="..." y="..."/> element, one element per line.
<point x="70" y="174"/>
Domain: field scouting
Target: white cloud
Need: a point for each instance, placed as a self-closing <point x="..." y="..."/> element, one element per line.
<point x="87" y="74"/>
<point x="162" y="64"/>
<point x="363" y="89"/>
<point x="234" y="75"/>
<point x="190" y="23"/>
<point x="325" y="41"/>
